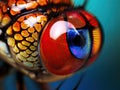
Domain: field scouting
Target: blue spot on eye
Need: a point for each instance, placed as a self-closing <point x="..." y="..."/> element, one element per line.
<point x="79" y="42"/>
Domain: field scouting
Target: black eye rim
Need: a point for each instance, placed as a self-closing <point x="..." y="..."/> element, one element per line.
<point x="38" y="49"/>
<point x="91" y="28"/>
<point x="78" y="11"/>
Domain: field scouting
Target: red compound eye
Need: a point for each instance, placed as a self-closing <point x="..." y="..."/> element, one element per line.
<point x="70" y="42"/>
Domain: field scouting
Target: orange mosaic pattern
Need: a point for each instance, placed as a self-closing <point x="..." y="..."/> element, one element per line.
<point x="38" y="47"/>
<point x="14" y="7"/>
<point x="23" y="36"/>
<point x="22" y="32"/>
<point x="18" y="5"/>
<point x="4" y="17"/>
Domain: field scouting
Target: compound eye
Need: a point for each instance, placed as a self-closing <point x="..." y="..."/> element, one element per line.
<point x="66" y="43"/>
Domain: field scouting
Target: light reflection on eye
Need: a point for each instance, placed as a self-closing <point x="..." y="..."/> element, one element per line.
<point x="61" y="44"/>
<point x="61" y="27"/>
<point x="68" y="44"/>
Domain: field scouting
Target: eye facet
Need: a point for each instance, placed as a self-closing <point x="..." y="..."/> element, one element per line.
<point x="48" y="39"/>
<point x="22" y="38"/>
<point x="68" y="42"/>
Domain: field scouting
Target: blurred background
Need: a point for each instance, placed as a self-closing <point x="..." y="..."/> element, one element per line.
<point x="104" y="74"/>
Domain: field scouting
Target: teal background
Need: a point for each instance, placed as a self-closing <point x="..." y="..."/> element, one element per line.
<point x="104" y="74"/>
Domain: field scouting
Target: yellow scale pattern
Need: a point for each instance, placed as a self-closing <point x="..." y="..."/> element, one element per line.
<point x="22" y="39"/>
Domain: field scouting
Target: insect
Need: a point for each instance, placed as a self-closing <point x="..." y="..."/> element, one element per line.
<point x="48" y="40"/>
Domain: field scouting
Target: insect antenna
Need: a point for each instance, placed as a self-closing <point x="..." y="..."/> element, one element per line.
<point x="79" y="82"/>
<point x="85" y="4"/>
